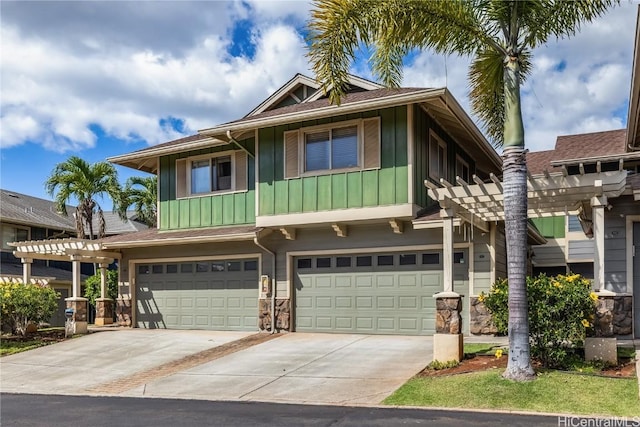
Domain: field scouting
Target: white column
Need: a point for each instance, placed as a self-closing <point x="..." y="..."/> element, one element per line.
<point x="75" y="270"/>
<point x="447" y="248"/>
<point x="26" y="270"/>
<point x="103" y="280"/>
<point x="598" y="204"/>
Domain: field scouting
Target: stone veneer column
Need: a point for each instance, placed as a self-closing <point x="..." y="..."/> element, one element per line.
<point x="104" y="305"/>
<point x="603" y="346"/>
<point x="282" y="309"/>
<point x="123" y="311"/>
<point x="79" y="306"/>
<point x="448" y="340"/>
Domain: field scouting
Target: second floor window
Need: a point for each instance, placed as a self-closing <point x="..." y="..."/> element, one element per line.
<point x="13" y="234"/>
<point x="331" y="149"/>
<point x="211" y="175"/>
<point x="437" y="157"/>
<point x="462" y="169"/>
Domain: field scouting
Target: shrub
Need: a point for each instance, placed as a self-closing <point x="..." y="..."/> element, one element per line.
<point x="437" y="365"/>
<point x="24" y="304"/>
<point x="92" y="286"/>
<point x="561" y="309"/>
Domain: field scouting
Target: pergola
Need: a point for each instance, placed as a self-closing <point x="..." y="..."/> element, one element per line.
<point x="74" y="250"/>
<point x="548" y="194"/>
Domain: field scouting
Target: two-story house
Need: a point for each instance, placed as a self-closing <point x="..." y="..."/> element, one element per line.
<point x="310" y="216"/>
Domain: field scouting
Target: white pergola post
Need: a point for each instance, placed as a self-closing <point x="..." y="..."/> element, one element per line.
<point x="76" y="278"/>
<point x="103" y="280"/>
<point x="598" y="204"/>
<point x="26" y="270"/>
<point x="447" y="216"/>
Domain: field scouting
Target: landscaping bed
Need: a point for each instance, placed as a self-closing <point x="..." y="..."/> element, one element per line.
<point x="11" y="344"/>
<point x="626" y="367"/>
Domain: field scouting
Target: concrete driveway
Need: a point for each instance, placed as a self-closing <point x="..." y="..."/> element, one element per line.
<point x="295" y="367"/>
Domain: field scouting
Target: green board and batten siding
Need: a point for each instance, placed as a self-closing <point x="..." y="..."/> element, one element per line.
<point x="378" y="187"/>
<point x="204" y="211"/>
<point x="422" y="124"/>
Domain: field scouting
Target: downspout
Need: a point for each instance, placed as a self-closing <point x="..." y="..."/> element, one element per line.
<point x="273" y="282"/>
<point x="237" y="144"/>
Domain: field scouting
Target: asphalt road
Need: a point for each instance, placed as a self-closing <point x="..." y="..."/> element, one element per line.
<point x="54" y="410"/>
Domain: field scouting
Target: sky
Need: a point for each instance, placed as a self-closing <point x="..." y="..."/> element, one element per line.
<point x="97" y="79"/>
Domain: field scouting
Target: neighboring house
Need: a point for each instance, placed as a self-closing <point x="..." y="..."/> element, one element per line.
<point x="24" y="218"/>
<point x="325" y="202"/>
<point x="114" y="225"/>
<point x="27" y="218"/>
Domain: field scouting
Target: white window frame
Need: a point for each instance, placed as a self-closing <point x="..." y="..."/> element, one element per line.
<point x="302" y="146"/>
<point x="191" y="160"/>
<point x="459" y="159"/>
<point x="435" y="139"/>
<point x="14" y="227"/>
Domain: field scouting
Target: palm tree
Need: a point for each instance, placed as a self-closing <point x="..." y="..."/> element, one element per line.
<point x="143" y="194"/>
<point x="75" y="178"/>
<point x="499" y="35"/>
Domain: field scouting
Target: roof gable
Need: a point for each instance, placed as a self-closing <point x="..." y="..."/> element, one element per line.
<point x="305" y="89"/>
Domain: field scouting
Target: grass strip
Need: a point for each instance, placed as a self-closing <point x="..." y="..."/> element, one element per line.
<point x="552" y="391"/>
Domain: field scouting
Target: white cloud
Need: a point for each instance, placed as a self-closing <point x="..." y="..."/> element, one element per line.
<point x="52" y="94"/>
<point x="67" y="66"/>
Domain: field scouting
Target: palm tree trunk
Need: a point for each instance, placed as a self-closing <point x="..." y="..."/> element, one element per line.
<point x="514" y="170"/>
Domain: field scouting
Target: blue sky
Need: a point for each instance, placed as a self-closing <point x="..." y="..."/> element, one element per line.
<point x="94" y="80"/>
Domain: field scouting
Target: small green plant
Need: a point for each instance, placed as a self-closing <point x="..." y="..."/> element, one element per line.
<point x="561" y="310"/>
<point x="92" y="286"/>
<point x="437" y="365"/>
<point x="24" y="304"/>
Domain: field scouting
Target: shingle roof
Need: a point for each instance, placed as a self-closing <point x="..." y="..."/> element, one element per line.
<point x="154" y="235"/>
<point x="590" y="145"/>
<point x="37" y="270"/>
<point x="115" y="225"/>
<point x="538" y="161"/>
<point x="580" y="146"/>
<point x="295" y="108"/>
<point x="30" y="210"/>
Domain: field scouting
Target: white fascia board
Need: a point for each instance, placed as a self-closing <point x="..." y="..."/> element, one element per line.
<point x="205" y="142"/>
<point x="280" y="93"/>
<point x="351" y="79"/>
<point x="328" y="111"/>
<point x="180" y="241"/>
<point x="457" y="110"/>
<point x="634" y="155"/>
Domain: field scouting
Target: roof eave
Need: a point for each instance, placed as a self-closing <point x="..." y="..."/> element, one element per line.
<point x="633" y="125"/>
<point x="180" y="241"/>
<point x="328" y="111"/>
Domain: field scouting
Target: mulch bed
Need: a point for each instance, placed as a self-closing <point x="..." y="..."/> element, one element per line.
<point x="625" y="369"/>
<point x="48" y="336"/>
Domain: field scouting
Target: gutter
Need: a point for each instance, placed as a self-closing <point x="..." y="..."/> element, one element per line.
<point x="179" y="241"/>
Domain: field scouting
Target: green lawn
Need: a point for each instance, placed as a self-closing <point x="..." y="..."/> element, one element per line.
<point x="8" y="347"/>
<point x="552" y="391"/>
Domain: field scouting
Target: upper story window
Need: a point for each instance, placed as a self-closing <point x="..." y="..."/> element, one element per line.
<point x="462" y="169"/>
<point x="437" y="157"/>
<point x="350" y="145"/>
<point x="11" y="233"/>
<point x="211" y="175"/>
<point x="216" y="173"/>
<point x="331" y="149"/>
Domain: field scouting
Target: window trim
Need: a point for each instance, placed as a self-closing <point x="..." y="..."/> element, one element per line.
<point x="14" y="227"/>
<point x="460" y="159"/>
<point x="435" y="139"/>
<point x="360" y="129"/>
<point x="186" y="174"/>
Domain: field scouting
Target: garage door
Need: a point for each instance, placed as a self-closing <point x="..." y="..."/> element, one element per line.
<point x="385" y="293"/>
<point x="216" y="295"/>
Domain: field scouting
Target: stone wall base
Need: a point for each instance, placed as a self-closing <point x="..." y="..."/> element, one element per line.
<point x="79" y="306"/>
<point x="448" y="347"/>
<point x="601" y="349"/>
<point x="104" y="311"/>
<point x="614" y="316"/>
<point x="448" y="318"/>
<point x="123" y="312"/>
<point x="480" y="318"/>
<point x="282" y="309"/>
